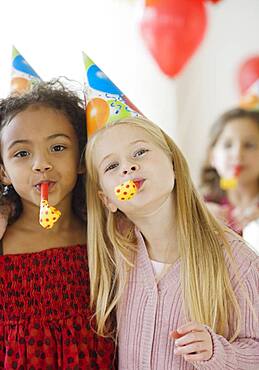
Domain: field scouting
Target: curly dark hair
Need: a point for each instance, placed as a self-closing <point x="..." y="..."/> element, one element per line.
<point x="209" y="175"/>
<point x="53" y="94"/>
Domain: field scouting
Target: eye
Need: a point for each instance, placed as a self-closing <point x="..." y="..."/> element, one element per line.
<point x="21" y="154"/>
<point x="58" y="148"/>
<point x="111" y="166"/>
<point x="250" y="145"/>
<point x="140" y="152"/>
<point x="227" y="144"/>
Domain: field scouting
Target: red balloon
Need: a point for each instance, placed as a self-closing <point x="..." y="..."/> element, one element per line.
<point x="248" y="73"/>
<point x="172" y="30"/>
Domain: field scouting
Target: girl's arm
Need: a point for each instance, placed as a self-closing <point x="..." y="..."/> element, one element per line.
<point x="210" y="351"/>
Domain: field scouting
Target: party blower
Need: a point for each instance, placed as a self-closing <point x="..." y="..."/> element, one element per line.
<point x="128" y="189"/>
<point x="231" y="182"/>
<point x="48" y="214"/>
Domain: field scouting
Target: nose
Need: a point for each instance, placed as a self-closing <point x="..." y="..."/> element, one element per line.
<point x="41" y="164"/>
<point x="238" y="152"/>
<point x="129" y="169"/>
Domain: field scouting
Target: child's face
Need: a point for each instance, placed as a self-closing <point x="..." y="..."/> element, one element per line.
<point x="238" y="144"/>
<point x="125" y="153"/>
<point x="40" y="145"/>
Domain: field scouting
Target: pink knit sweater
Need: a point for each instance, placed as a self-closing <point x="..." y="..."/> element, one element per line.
<point x="150" y="311"/>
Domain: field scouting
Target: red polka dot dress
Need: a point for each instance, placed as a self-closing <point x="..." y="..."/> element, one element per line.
<point x="44" y="313"/>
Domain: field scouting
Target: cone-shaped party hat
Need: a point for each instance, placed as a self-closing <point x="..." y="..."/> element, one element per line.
<point x="23" y="75"/>
<point x="250" y="100"/>
<point x="105" y="101"/>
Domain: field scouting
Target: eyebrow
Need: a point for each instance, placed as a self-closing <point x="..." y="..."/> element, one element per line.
<point x="24" y="141"/>
<point x="132" y="143"/>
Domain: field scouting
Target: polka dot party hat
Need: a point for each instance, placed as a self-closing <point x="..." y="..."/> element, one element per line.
<point x="105" y="101"/>
<point x="22" y="75"/>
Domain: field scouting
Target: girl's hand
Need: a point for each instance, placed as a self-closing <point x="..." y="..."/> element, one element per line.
<point x="193" y="342"/>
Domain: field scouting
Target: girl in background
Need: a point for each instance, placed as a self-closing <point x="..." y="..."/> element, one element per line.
<point x="234" y="144"/>
<point x="185" y="288"/>
<point x="45" y="319"/>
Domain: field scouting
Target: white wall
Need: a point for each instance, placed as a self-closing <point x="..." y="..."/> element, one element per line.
<point x="51" y="35"/>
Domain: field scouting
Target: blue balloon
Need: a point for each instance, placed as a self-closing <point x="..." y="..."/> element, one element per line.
<point x="21" y="65"/>
<point x="99" y="81"/>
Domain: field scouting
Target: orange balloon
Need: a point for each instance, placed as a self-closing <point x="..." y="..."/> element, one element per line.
<point x="97" y="114"/>
<point x="19" y="85"/>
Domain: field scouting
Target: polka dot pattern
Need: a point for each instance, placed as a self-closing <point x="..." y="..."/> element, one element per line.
<point x="48" y="215"/>
<point x="126" y="191"/>
<point x="45" y="320"/>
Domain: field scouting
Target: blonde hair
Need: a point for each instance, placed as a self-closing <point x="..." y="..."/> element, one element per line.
<point x="207" y="292"/>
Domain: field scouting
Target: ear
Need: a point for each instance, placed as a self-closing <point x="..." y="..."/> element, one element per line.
<point x="107" y="202"/>
<point x="4" y="178"/>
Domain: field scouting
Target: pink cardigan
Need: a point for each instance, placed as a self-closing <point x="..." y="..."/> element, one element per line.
<point x="149" y="311"/>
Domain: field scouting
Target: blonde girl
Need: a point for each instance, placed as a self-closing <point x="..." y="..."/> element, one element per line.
<point x="185" y="289"/>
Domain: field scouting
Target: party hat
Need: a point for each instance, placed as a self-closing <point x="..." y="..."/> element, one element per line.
<point x="105" y="101"/>
<point x="250" y="100"/>
<point x="23" y="75"/>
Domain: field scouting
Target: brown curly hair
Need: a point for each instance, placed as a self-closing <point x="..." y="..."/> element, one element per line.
<point x="53" y="94"/>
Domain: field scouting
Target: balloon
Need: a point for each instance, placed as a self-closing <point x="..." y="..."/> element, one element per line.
<point x="21" y="65"/>
<point x="97" y="114"/>
<point x="248" y="73"/>
<point x="19" y="84"/>
<point x="172" y="30"/>
<point x="99" y="81"/>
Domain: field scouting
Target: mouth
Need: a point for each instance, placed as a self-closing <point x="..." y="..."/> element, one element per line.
<point x="237" y="169"/>
<point x="51" y="184"/>
<point x="139" y="183"/>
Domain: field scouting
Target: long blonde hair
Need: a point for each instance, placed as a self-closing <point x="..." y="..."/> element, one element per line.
<point x="207" y="292"/>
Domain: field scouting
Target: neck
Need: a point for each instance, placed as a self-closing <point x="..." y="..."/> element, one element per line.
<point x="243" y="195"/>
<point x="158" y="228"/>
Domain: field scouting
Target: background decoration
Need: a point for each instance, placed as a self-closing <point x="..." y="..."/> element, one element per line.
<point x="248" y="73"/>
<point x="105" y="101"/>
<point x="22" y="75"/>
<point x="172" y="31"/>
<point x="214" y="1"/>
<point x="250" y="100"/>
<point x="248" y="81"/>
